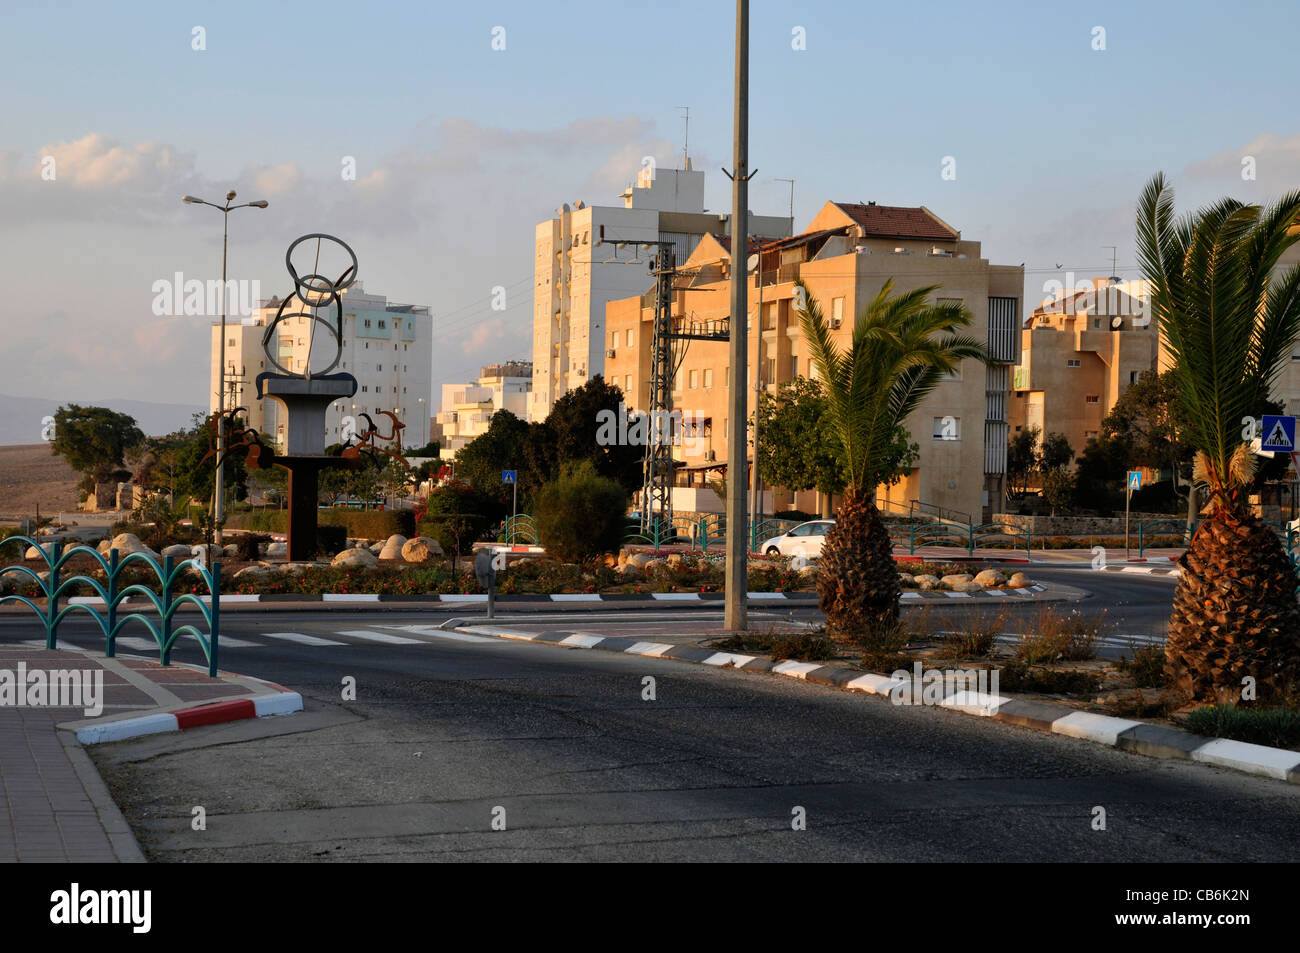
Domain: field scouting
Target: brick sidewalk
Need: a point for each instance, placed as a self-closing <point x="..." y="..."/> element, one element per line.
<point x="56" y="807"/>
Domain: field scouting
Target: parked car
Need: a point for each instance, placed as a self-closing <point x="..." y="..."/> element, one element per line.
<point x="803" y="540"/>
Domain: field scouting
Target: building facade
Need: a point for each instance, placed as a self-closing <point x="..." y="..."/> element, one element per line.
<point x="845" y="256"/>
<point x="575" y="276"/>
<point x="387" y="347"/>
<point x="466" y="409"/>
<point x="1079" y="352"/>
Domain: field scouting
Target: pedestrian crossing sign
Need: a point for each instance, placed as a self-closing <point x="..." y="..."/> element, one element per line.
<point x="508" y="476"/>
<point x="1279" y="434"/>
<point x="1135" y="480"/>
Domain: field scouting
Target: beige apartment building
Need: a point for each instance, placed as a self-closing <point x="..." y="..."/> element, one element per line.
<point x="1079" y="352"/>
<point x="467" y="409"/>
<point x="844" y="255"/>
<point x="575" y="276"/>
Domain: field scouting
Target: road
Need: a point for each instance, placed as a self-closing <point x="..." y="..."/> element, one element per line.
<point x="562" y="747"/>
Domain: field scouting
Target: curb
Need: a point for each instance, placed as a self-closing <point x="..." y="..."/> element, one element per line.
<point x="1134" y="737"/>
<point x="259" y="706"/>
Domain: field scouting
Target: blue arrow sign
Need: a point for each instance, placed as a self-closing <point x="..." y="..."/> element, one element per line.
<point x="508" y="476"/>
<point x="1279" y="434"/>
<point x="1135" y="479"/>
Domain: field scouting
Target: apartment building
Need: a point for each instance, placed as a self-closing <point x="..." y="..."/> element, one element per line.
<point x="1080" y="350"/>
<point x="387" y="347"/>
<point x="845" y="255"/>
<point x="466" y="409"/>
<point x="575" y="277"/>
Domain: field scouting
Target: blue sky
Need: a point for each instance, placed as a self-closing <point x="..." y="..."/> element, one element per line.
<point x="461" y="149"/>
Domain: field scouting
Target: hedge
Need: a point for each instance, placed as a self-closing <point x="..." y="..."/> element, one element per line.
<point x="359" y="524"/>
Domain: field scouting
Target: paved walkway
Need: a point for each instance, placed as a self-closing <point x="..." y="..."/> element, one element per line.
<point x="53" y="805"/>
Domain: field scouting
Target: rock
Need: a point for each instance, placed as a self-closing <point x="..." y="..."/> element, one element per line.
<point x="393" y="548"/>
<point x="652" y="564"/>
<point x="128" y="543"/>
<point x="926" y="581"/>
<point x="628" y="571"/>
<point x="177" y="551"/>
<point x="294" y="569"/>
<point x="906" y="579"/>
<point x="277" y="549"/>
<point x="956" y="579"/>
<point x="989" y="578"/>
<point x="355" y="559"/>
<point x="674" y="560"/>
<point x="230" y="551"/>
<point x="34" y="553"/>
<point x="104" y="546"/>
<point x="971" y="586"/>
<point x="622" y="557"/>
<point x="258" y="572"/>
<point x="638" y="560"/>
<point x="421" y="549"/>
<point x="374" y="548"/>
<point x="610" y="560"/>
<point x="1018" y="580"/>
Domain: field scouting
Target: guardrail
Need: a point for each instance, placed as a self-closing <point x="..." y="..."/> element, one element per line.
<point x="111" y="593"/>
<point x="521" y="529"/>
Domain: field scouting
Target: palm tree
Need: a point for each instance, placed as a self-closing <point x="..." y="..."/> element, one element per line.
<point x="900" y="349"/>
<point x="1229" y="330"/>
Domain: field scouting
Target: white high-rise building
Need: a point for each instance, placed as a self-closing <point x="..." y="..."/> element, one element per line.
<point x="574" y="277"/>
<point x="387" y="347"/>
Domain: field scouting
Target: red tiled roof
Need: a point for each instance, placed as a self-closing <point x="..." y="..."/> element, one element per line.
<point x="755" y="242"/>
<point x="894" y="221"/>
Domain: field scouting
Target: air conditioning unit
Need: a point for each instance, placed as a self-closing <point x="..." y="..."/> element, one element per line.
<point x="610" y="352"/>
<point x="711" y="456"/>
<point x="900" y="250"/>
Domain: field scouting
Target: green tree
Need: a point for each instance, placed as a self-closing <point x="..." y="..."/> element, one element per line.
<point x="456" y="516"/>
<point x="900" y="349"/>
<point x="501" y="447"/>
<point x="1022" y="458"/>
<point x="580" y="513"/>
<point x="574" y="429"/>
<point x="1058" y="489"/>
<point x="1055" y="453"/>
<point x="1230" y="330"/>
<point x="797" y="447"/>
<point x="94" y="440"/>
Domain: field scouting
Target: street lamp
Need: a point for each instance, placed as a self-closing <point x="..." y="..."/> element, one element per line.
<point x="218" y="491"/>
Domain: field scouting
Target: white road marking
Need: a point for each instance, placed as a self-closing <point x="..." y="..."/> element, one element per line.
<point x="437" y="633"/>
<point x="378" y="637"/>
<point x="300" y="638"/>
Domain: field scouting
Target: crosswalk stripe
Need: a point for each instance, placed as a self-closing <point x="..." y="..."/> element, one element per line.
<point x="436" y="632"/>
<point x="299" y="638"/>
<point x="378" y="637"/>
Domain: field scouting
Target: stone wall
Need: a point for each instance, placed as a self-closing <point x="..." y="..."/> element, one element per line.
<point x="1085" y="525"/>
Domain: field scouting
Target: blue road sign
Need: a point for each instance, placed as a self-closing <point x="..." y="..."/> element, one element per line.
<point x="508" y="476"/>
<point x="1279" y="434"/>
<point x="1135" y="479"/>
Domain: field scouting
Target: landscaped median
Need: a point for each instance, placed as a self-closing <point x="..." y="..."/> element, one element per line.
<point x="1060" y="686"/>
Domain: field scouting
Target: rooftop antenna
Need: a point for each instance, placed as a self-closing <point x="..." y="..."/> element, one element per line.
<point x="686" y="144"/>
<point x="1114" y="278"/>
<point x="791" y="181"/>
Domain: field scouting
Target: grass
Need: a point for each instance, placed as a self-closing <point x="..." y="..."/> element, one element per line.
<point x="799" y="647"/>
<point x="1022" y="677"/>
<point x="1276" y="727"/>
<point x="1060" y="637"/>
<point x="977" y="635"/>
<point x="1147" y="666"/>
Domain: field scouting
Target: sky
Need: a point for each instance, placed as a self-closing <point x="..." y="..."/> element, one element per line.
<point x="1053" y="117"/>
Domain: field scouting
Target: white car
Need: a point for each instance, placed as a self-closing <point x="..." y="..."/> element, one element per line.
<point x="803" y="540"/>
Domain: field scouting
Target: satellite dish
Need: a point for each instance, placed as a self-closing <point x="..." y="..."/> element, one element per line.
<point x="1116" y="323"/>
<point x="752" y="263"/>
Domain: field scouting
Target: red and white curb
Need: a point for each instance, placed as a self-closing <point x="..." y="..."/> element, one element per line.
<point x="259" y="706"/>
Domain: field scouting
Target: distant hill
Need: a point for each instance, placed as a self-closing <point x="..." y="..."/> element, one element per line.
<point x="20" y="417"/>
<point x="31" y="477"/>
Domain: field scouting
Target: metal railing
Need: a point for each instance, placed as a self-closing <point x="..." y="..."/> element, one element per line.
<point x="111" y="593"/>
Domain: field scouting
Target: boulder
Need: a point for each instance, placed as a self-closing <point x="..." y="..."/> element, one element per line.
<point x="374" y="548"/>
<point x="392" y="549"/>
<point x="674" y="560"/>
<point x="622" y="557"/>
<point x="1018" y="580"/>
<point x="628" y="571"/>
<point x="355" y="559"/>
<point x="104" y="546"/>
<point x="906" y="579"/>
<point x="177" y="551"/>
<point x="128" y="543"/>
<point x="420" y="549"/>
<point x="276" y="548"/>
<point x="638" y="560"/>
<point x="989" y="578"/>
<point x="257" y="572"/>
<point x="953" y="580"/>
<point x="926" y="581"/>
<point x="652" y="564"/>
<point x="230" y="551"/>
<point x="294" y="569"/>
<point x="34" y="553"/>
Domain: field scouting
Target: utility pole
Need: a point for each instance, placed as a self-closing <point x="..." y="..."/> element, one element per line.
<point x="737" y="549"/>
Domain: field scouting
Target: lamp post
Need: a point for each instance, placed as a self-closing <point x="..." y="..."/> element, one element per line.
<point x="218" y="491"/>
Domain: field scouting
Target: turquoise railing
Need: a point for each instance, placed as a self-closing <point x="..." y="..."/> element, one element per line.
<point x="521" y="530"/>
<point x="111" y="593"/>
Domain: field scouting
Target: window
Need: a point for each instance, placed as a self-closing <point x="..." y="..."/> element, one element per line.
<point x="837" y="312"/>
<point x="695" y="379"/>
<point x="1092" y="399"/>
<point x="300" y="342"/>
<point x="1073" y="362"/>
<point x="403" y="390"/>
<point x="627" y="384"/>
<point x="629" y="337"/>
<point x="1133" y="375"/>
<point x="367" y="322"/>
<point x="708" y="377"/>
<point x="726" y="428"/>
<point x="382" y="324"/>
<point x="230" y="343"/>
<point x="947" y="428"/>
<point x="403" y="368"/>
<point x="726" y="377"/>
<point x="794" y="366"/>
<point x="367" y="345"/>
<point x="379" y="367"/>
<point x="365" y="389"/>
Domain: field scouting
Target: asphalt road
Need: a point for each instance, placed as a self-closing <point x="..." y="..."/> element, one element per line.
<point x="565" y="752"/>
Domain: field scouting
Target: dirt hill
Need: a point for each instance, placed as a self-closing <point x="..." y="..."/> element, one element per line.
<point x="30" y="475"/>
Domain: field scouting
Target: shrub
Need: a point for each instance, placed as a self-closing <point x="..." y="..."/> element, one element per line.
<point x="580" y="514"/>
<point x="1059" y="638"/>
<point x="977" y="635"/>
<point x="1021" y="677"/>
<point x="801" y="647"/>
<point x="362" y="524"/>
<point x="249" y="543"/>
<point x="456" y="516"/>
<point x="1147" y="666"/>
<point x="1277" y="727"/>
<point x="799" y="516"/>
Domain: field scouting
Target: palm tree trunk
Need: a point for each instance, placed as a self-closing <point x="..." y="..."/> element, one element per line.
<point x="858" y="580"/>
